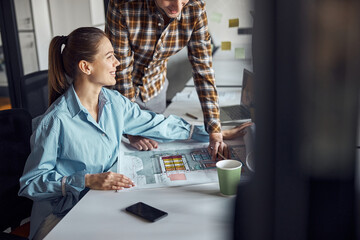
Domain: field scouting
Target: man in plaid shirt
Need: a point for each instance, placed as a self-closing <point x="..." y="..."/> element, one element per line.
<point x="145" y="33"/>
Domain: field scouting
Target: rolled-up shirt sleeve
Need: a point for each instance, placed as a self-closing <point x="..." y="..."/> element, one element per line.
<point x="41" y="179"/>
<point x="199" y="53"/>
<point x="158" y="127"/>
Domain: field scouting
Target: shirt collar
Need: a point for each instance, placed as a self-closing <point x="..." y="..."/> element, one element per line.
<point x="153" y="9"/>
<point x="72" y="101"/>
<point x="74" y="104"/>
<point x="102" y="101"/>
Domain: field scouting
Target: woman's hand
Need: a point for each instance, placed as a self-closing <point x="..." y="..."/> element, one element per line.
<point x="107" y="181"/>
<point x="235" y="132"/>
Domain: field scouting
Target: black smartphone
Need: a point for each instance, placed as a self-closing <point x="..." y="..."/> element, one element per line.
<point x="145" y="211"/>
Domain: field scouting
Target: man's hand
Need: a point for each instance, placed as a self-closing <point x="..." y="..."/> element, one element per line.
<point x="107" y="181"/>
<point x="217" y="145"/>
<point x="141" y="143"/>
<point x="237" y="131"/>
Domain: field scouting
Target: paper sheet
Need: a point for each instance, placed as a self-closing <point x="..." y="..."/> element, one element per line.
<point x="172" y="164"/>
<point x="215" y="17"/>
<point x="240" y="53"/>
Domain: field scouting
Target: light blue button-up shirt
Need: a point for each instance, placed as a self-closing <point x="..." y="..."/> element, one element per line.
<point x="68" y="142"/>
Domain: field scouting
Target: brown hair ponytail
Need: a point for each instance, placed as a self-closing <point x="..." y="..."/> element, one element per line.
<point x="80" y="44"/>
<point x="57" y="79"/>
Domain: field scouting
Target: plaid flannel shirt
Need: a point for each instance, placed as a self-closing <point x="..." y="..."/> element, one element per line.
<point x="143" y="46"/>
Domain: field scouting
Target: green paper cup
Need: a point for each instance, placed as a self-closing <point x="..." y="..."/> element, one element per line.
<point x="229" y="173"/>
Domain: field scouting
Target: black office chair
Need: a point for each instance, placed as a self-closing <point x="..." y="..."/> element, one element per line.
<point x="35" y="92"/>
<point x="15" y="131"/>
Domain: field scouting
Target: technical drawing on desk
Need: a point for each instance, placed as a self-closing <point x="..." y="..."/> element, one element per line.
<point x="149" y="169"/>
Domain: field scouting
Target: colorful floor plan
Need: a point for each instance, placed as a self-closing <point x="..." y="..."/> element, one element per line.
<point x="173" y="167"/>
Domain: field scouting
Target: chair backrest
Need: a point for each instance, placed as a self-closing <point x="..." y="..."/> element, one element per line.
<point x="35" y="92"/>
<point x="15" y="132"/>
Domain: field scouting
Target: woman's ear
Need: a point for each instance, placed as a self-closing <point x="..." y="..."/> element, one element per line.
<point x="84" y="66"/>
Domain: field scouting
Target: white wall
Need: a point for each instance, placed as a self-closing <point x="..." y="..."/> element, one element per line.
<point x="97" y="12"/>
<point x="43" y="33"/>
<point x="219" y="12"/>
<point x="66" y="15"/>
<point x="227" y="68"/>
<point x="60" y="17"/>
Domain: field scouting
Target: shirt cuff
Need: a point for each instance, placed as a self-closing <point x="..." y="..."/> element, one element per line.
<point x="199" y="134"/>
<point x="213" y="127"/>
<point x="76" y="181"/>
<point x="191" y="131"/>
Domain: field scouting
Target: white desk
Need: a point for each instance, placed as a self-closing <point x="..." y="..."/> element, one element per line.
<point x="196" y="212"/>
<point x="187" y="101"/>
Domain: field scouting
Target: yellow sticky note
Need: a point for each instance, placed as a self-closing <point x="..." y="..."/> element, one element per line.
<point x="234" y="22"/>
<point x="239" y="53"/>
<point x="225" y="46"/>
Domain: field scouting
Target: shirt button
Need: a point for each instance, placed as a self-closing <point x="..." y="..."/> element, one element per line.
<point x="103" y="134"/>
<point x="159" y="24"/>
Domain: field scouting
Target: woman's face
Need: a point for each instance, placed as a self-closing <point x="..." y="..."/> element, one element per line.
<point x="103" y="68"/>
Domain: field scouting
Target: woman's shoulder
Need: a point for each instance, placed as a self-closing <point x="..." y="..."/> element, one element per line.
<point x="53" y="115"/>
<point x="114" y="96"/>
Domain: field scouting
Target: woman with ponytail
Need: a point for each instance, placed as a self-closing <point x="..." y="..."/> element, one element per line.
<point x="57" y="80"/>
<point x="76" y="142"/>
